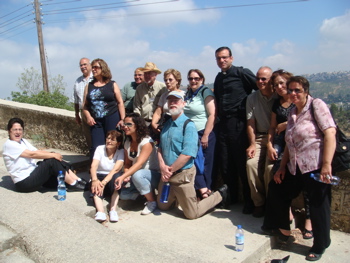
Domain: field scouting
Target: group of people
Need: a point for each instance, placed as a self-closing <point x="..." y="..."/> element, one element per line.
<point x="265" y="129"/>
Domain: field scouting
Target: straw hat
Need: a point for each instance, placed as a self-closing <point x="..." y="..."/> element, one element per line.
<point x="150" y="67"/>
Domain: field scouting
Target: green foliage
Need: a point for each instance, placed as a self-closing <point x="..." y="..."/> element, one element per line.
<point x="30" y="82"/>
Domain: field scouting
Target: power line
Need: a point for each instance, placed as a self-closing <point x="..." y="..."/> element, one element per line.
<point x="168" y="11"/>
<point x="17" y="33"/>
<point x="15" y="11"/>
<point x="60" y="2"/>
<point x="10" y="22"/>
<point x="24" y="23"/>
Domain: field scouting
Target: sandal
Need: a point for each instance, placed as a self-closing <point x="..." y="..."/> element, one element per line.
<point x="313" y="256"/>
<point x="307" y="234"/>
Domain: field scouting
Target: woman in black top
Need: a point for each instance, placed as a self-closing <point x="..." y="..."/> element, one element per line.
<point x="103" y="104"/>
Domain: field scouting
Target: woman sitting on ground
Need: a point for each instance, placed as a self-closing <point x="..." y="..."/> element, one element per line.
<point x="140" y="161"/>
<point x="106" y="166"/>
<point x="29" y="176"/>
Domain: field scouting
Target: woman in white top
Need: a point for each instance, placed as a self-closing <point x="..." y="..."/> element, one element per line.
<point x="106" y="165"/>
<point x="140" y="160"/>
<point x="172" y="79"/>
<point x="29" y="176"/>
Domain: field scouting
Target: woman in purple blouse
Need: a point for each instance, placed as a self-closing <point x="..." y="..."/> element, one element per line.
<point x="310" y="146"/>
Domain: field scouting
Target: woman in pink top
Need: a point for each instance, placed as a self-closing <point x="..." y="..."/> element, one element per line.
<point x="310" y="146"/>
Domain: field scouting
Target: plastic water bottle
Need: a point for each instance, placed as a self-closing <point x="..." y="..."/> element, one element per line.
<point x="165" y="193"/>
<point x="335" y="180"/>
<point x="239" y="238"/>
<point x="61" y="187"/>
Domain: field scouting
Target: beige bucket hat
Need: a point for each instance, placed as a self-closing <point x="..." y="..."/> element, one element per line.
<point x="149" y="66"/>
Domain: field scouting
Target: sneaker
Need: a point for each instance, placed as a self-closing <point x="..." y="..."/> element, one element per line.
<point x="149" y="208"/>
<point x="100" y="217"/>
<point x="113" y="216"/>
<point x="78" y="186"/>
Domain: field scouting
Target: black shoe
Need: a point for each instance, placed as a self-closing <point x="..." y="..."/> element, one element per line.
<point x="77" y="187"/>
<point x="85" y="184"/>
<point x="223" y="190"/>
<point x="259" y="211"/>
<point x="269" y="231"/>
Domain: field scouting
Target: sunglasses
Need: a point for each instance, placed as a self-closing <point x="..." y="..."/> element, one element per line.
<point x="170" y="80"/>
<point x="95" y="67"/>
<point x="262" y="79"/>
<point x="128" y="124"/>
<point x="297" y="91"/>
<point x="195" y="79"/>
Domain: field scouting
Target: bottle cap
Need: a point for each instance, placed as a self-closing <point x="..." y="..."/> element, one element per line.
<point x="239" y="226"/>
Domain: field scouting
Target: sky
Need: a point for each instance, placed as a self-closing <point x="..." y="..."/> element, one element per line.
<point x="300" y="36"/>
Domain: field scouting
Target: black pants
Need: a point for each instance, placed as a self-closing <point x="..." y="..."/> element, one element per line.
<point x="231" y="153"/>
<point x="43" y="175"/>
<point x="279" y="199"/>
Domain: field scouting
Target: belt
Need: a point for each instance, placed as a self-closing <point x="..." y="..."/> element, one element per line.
<point x="262" y="133"/>
<point x="178" y="171"/>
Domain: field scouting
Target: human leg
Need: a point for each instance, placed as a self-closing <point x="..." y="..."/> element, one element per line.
<point x="143" y="180"/>
<point x="186" y="196"/>
<point x="97" y="136"/>
<point x="171" y="198"/>
<point x="86" y="129"/>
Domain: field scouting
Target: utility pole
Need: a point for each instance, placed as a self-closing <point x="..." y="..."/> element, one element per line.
<point x="41" y="45"/>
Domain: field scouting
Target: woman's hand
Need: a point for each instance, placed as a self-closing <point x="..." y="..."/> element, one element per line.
<point x="205" y="141"/>
<point x="120" y="124"/>
<point x="326" y="173"/>
<point x="281" y="127"/>
<point x="90" y="121"/>
<point x="279" y="175"/>
<point x="58" y="156"/>
<point x="97" y="187"/>
<point x="155" y="127"/>
<point x="118" y="183"/>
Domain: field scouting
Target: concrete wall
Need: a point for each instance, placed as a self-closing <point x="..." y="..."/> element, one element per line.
<point x="55" y="128"/>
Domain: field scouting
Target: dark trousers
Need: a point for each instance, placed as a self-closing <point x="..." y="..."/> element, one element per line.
<point x="319" y="194"/>
<point x="205" y="180"/>
<point x="231" y="155"/>
<point x="99" y="130"/>
<point x="43" y="175"/>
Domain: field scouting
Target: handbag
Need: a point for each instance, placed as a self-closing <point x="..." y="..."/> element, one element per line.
<point x="341" y="158"/>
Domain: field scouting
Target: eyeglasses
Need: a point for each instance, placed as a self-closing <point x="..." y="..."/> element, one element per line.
<point x="128" y="124"/>
<point x="83" y="65"/>
<point x="17" y="130"/>
<point x="224" y="58"/>
<point x="262" y="79"/>
<point x="297" y="91"/>
<point x="95" y="67"/>
<point x="195" y="79"/>
<point x="170" y="80"/>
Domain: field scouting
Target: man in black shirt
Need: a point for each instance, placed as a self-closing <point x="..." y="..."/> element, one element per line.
<point x="231" y="87"/>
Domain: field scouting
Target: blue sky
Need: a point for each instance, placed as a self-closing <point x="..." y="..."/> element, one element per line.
<point x="299" y="36"/>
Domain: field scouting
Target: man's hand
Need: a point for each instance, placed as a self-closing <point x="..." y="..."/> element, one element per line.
<point x="251" y="150"/>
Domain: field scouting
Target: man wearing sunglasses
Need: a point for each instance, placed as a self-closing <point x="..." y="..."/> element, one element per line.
<point x="79" y="87"/>
<point x="148" y="92"/>
<point x="231" y="87"/>
<point x="259" y="108"/>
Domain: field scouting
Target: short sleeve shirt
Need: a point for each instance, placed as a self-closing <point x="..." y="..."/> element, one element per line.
<point x="163" y="102"/>
<point x="259" y="108"/>
<point x="174" y="141"/>
<point x="18" y="167"/>
<point x="79" y="88"/>
<point x="105" y="164"/>
<point x="281" y="112"/>
<point x="304" y="136"/>
<point x="195" y="107"/>
<point x="152" y="162"/>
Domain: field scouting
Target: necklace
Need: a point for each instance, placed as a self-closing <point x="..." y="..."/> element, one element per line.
<point x="133" y="154"/>
<point x="133" y="149"/>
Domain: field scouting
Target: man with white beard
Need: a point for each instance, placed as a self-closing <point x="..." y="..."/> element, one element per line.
<point x="177" y="150"/>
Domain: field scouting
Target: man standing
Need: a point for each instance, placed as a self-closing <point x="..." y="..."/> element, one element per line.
<point x="177" y="150"/>
<point x="148" y="93"/>
<point x="129" y="89"/>
<point x="231" y="87"/>
<point x="259" y="108"/>
<point x="79" y="87"/>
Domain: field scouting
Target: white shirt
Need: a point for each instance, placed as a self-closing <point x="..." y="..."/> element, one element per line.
<point x="106" y="165"/>
<point x="79" y="87"/>
<point x="18" y="167"/>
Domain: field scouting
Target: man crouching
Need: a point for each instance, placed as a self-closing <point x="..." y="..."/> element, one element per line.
<point x="177" y="150"/>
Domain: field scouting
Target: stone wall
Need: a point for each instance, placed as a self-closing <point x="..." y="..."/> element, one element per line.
<point x="57" y="128"/>
<point x="54" y="128"/>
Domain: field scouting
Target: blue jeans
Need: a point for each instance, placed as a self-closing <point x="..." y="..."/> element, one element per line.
<point x="146" y="180"/>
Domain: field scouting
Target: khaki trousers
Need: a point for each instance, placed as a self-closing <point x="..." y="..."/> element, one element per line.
<point x="183" y="193"/>
<point x="259" y="171"/>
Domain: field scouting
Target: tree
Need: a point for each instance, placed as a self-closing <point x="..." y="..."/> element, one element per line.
<point x="30" y="82"/>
